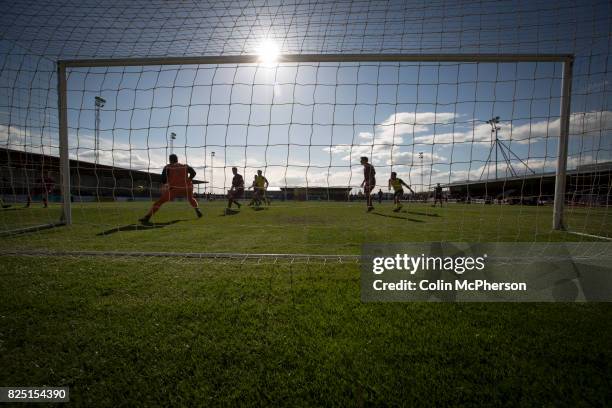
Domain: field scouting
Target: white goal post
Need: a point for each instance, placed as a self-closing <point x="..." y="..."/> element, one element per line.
<point x="566" y="59"/>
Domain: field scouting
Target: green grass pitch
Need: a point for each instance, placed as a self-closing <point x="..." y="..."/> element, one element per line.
<point x="289" y="227"/>
<point x="178" y="331"/>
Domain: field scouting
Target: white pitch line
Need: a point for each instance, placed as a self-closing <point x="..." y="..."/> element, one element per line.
<point x="590" y="235"/>
<point x="206" y="255"/>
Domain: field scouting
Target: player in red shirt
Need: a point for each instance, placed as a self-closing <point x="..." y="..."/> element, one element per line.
<point x="44" y="187"/>
<point x="178" y="182"/>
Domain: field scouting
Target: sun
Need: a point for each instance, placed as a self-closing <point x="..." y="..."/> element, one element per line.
<point x="268" y="53"/>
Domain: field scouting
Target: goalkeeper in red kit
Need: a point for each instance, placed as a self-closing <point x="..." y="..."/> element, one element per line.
<point x="178" y="182"/>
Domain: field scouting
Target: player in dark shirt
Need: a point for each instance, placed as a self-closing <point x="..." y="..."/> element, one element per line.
<point x="5" y="182"/>
<point x="237" y="189"/>
<point x="437" y="195"/>
<point x="44" y="187"/>
<point x="369" y="181"/>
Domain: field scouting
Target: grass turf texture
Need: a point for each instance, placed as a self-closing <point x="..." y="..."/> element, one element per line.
<point x="156" y="332"/>
<point x="289" y="227"/>
<point x="185" y="332"/>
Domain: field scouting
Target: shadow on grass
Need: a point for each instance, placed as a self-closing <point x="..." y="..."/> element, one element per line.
<point x="10" y="208"/>
<point x="229" y="211"/>
<point x="396" y="216"/>
<point x="259" y="208"/>
<point x="420" y="213"/>
<point x="139" y="227"/>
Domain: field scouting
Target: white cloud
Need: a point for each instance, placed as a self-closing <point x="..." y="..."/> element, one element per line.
<point x="401" y="124"/>
<point x="539" y="166"/>
<point x="394" y="144"/>
<point x="385" y="145"/>
<point x="537" y="131"/>
<point x="30" y="140"/>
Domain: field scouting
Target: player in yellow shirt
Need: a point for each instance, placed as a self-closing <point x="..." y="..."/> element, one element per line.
<point x="255" y="199"/>
<point x="260" y="184"/>
<point x="397" y="184"/>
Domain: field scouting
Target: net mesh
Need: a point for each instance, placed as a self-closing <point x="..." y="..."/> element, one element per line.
<point x="486" y="132"/>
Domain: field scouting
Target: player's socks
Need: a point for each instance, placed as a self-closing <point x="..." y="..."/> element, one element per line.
<point x="198" y="212"/>
<point x="238" y="204"/>
<point x="370" y="208"/>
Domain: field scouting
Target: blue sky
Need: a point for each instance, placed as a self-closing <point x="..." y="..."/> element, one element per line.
<point x="308" y="124"/>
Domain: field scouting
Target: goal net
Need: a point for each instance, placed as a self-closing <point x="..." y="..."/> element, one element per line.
<point x="489" y="147"/>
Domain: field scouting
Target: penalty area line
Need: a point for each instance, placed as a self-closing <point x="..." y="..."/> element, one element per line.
<point x="192" y="255"/>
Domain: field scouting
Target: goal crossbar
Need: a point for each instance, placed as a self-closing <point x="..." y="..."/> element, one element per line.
<point x="566" y="59"/>
<point x="316" y="58"/>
